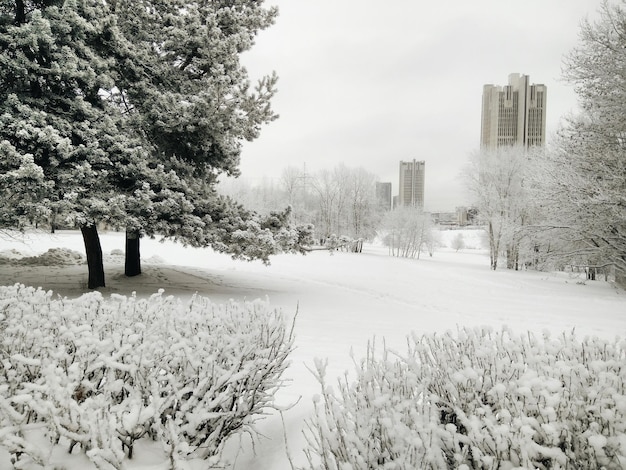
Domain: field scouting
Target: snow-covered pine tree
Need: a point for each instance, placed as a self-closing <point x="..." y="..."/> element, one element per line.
<point x="130" y="111"/>
<point x="53" y="118"/>
<point x="180" y="82"/>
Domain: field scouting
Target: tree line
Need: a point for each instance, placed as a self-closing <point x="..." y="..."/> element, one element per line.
<point x="340" y="201"/>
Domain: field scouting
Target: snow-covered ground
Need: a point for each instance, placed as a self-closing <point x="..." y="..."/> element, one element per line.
<point x="342" y="301"/>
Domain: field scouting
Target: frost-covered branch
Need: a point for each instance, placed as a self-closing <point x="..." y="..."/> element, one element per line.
<point x="475" y="399"/>
<point x="101" y="374"/>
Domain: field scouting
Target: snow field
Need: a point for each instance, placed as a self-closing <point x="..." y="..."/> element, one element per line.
<point x="344" y="300"/>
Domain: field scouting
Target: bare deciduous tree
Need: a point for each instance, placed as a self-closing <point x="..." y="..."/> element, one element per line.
<point x="495" y="179"/>
<point x="407" y="230"/>
<point x="583" y="182"/>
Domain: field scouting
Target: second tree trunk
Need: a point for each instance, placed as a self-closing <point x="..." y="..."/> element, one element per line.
<point x="132" y="265"/>
<point x="94" y="256"/>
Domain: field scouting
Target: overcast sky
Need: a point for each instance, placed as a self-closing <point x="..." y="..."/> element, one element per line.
<point x="369" y="83"/>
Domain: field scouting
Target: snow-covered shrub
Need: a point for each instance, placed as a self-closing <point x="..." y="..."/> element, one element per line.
<point x="476" y="400"/>
<point x="458" y="242"/>
<point x="103" y="373"/>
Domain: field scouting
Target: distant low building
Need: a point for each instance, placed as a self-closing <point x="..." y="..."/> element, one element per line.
<point x="462" y="216"/>
<point x="444" y="218"/>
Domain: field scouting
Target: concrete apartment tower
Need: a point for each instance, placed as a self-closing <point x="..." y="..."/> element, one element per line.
<point x="514" y="114"/>
<point x="411" y="192"/>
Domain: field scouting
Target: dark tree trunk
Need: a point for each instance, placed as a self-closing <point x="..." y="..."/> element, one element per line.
<point x="94" y="256"/>
<point x="20" y="12"/>
<point x="132" y="265"/>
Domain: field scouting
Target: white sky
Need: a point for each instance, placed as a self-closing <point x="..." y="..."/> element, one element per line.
<point x="369" y="83"/>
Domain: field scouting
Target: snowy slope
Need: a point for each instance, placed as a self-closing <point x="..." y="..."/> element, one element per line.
<point x="343" y="300"/>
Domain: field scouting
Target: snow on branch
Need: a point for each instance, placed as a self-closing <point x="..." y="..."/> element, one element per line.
<point x="100" y="374"/>
<point x="476" y="399"/>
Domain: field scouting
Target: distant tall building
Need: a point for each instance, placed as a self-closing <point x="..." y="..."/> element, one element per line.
<point x="514" y="114"/>
<point x="383" y="195"/>
<point x="411" y="189"/>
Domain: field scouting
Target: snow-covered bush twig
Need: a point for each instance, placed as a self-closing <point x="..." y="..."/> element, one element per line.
<point x="103" y="373"/>
<point x="476" y="400"/>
